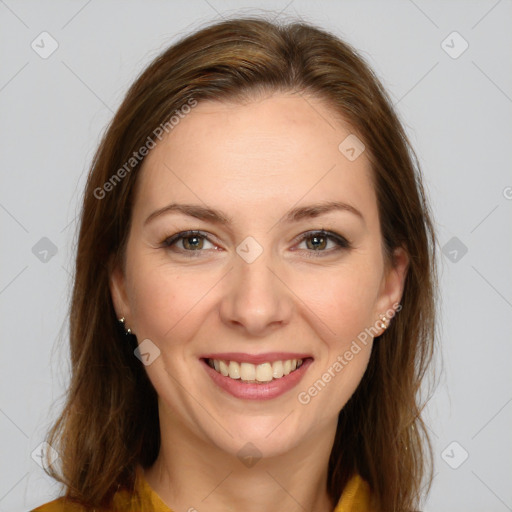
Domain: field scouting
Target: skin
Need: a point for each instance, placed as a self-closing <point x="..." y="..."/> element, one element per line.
<point x="255" y="162"/>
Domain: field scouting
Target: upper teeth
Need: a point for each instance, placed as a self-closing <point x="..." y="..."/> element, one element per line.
<point x="264" y="372"/>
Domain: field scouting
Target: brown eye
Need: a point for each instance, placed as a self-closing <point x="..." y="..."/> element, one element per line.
<point x="188" y="242"/>
<point x="316" y="242"/>
<point x="193" y="243"/>
<point x="323" y="242"/>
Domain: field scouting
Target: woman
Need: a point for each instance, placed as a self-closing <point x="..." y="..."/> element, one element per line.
<point x="253" y="306"/>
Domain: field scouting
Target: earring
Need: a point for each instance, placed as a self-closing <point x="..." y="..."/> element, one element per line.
<point x="122" y="322"/>
<point x="383" y="321"/>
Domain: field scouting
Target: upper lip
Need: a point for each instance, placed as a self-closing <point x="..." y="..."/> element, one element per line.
<point x="267" y="357"/>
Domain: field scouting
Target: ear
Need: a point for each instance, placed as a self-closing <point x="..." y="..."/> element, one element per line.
<point x="393" y="282"/>
<point x="117" y="284"/>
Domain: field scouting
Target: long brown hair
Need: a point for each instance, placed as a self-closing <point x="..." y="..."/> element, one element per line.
<point x="110" y="420"/>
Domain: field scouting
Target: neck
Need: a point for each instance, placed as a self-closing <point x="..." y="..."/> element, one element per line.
<point x="192" y="474"/>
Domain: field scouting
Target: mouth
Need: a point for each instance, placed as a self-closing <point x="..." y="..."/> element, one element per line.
<point x="260" y="377"/>
<point x="255" y="373"/>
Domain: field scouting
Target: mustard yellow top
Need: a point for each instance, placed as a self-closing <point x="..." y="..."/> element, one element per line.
<point x="355" y="498"/>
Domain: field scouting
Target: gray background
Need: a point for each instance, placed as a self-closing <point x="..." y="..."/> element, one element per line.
<point x="458" y="113"/>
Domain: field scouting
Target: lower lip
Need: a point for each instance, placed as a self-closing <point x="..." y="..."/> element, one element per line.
<point x="264" y="391"/>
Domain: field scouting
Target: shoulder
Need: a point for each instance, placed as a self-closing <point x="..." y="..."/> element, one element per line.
<point x="121" y="503"/>
<point x="60" y="505"/>
<point x="142" y="497"/>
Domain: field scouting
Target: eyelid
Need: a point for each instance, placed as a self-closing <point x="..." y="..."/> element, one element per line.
<point x="340" y="241"/>
<point x="169" y="240"/>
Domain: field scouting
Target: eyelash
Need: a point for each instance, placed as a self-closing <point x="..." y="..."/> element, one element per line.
<point x="341" y="242"/>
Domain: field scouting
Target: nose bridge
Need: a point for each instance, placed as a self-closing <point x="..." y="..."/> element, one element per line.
<point x="255" y="298"/>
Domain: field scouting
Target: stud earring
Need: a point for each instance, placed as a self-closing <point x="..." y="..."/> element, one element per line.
<point x="383" y="321"/>
<point x="122" y="322"/>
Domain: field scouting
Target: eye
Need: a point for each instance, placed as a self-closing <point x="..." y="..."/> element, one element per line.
<point x="323" y="241"/>
<point x="319" y="242"/>
<point x="189" y="241"/>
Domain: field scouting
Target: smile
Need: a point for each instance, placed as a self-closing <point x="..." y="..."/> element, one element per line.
<point x="255" y="373"/>
<point x="256" y="377"/>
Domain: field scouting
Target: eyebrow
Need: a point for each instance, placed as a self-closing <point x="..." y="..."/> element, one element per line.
<point x="218" y="217"/>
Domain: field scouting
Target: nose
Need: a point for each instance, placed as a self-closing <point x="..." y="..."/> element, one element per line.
<point x="256" y="299"/>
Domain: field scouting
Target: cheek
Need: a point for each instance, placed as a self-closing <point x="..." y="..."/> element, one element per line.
<point x="343" y="299"/>
<point x="162" y="298"/>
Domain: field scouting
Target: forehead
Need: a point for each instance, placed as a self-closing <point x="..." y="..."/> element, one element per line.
<point x="274" y="151"/>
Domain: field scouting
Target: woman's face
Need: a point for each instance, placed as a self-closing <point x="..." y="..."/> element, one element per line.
<point x="254" y="245"/>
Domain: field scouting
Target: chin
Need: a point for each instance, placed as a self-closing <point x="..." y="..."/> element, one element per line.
<point x="253" y="442"/>
<point x="272" y="435"/>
